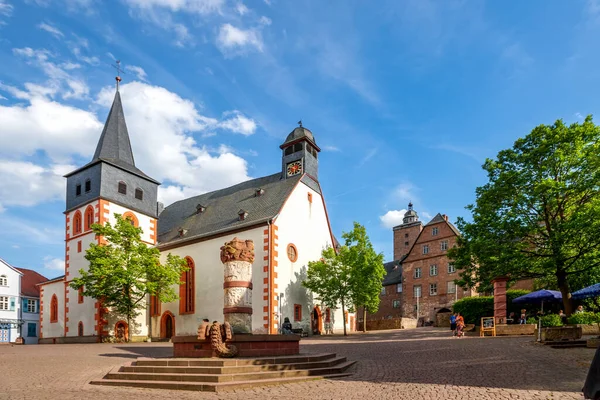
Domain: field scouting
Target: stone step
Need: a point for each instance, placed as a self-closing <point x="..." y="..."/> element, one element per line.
<point x="133" y="367"/>
<point x="567" y="344"/>
<point x="233" y="362"/>
<point x="209" y="387"/>
<point x="235" y="377"/>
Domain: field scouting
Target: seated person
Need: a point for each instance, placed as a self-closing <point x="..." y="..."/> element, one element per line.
<point x="286" y="328"/>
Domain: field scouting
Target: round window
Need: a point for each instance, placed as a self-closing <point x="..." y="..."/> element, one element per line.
<point x="292" y="252"/>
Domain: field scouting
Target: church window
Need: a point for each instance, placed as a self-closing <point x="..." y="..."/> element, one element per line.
<point x="139" y="194"/>
<point x="77" y="223"/>
<point x="433" y="270"/>
<point x="289" y="150"/>
<point x="433" y="289"/>
<point x="131" y="218"/>
<point x="187" y="293"/>
<point x="80" y="295"/>
<point x="4" y="303"/>
<point x="3" y="280"/>
<point x="425" y="249"/>
<point x="88" y="185"/>
<point x="54" y="309"/>
<point x="154" y="306"/>
<point x="80" y="329"/>
<point x="396" y="304"/>
<point x="417" y="272"/>
<point x="292" y="252"/>
<point x="78" y="190"/>
<point x="434" y="231"/>
<point x="297" y="312"/>
<point x="89" y="218"/>
<point x="79" y="246"/>
<point x="444" y="245"/>
<point x="398" y="288"/>
<point x="298" y="147"/>
<point x="122" y="188"/>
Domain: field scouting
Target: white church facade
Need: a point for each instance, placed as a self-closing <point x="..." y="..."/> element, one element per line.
<point x="284" y="214"/>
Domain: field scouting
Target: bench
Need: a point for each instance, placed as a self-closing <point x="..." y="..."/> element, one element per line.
<point x="299" y="331"/>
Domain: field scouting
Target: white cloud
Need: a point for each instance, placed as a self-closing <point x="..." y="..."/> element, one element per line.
<point x="579" y="116"/>
<point x="234" y="41"/>
<point x="238" y="123"/>
<point x="392" y="218"/>
<point x="51" y="29"/>
<point x="26" y="184"/>
<point x="31" y="231"/>
<point x="202" y="7"/>
<point x="55" y="264"/>
<point x="370" y="154"/>
<point x="6" y="10"/>
<point x="265" y="20"/>
<point x="406" y="192"/>
<point x="138" y="71"/>
<point x="330" y="148"/>
<point x="241" y="8"/>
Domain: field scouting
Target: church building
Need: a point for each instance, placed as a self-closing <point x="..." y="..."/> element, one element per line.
<point x="284" y="214"/>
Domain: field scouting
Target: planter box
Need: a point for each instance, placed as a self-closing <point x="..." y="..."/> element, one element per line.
<point x="593" y="343"/>
<point x="558" y="333"/>
<point x="248" y="345"/>
<point x="589" y="329"/>
<point x="510" y="330"/>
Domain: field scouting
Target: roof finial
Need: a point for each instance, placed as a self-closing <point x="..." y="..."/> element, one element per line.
<point x="300" y="123"/>
<point x="119" y="70"/>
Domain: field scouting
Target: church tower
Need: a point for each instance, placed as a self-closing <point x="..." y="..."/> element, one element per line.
<point x="300" y="154"/>
<point x="406" y="233"/>
<point x="109" y="184"/>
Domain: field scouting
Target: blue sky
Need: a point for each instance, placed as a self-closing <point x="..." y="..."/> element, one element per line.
<point x="406" y="98"/>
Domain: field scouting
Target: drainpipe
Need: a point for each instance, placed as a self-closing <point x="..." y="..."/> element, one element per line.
<point x="269" y="239"/>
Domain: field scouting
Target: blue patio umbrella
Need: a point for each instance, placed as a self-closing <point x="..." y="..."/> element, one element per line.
<point x="539" y="296"/>
<point x="590" y="291"/>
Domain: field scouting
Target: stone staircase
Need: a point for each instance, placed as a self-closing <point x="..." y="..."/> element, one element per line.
<point x="217" y="374"/>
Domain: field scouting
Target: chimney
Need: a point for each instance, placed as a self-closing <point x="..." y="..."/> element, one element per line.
<point x="445" y="217"/>
<point x="200" y="209"/>
<point x="181" y="232"/>
<point x="242" y="214"/>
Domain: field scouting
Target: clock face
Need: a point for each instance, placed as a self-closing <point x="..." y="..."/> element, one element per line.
<point x="294" y="168"/>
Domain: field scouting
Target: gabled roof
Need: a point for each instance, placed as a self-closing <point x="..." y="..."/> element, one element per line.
<point x="114" y="146"/>
<point x="29" y="282"/>
<point x="442" y="218"/>
<point x="11" y="267"/>
<point x="393" y="273"/>
<point x="58" y="278"/>
<point x="220" y="214"/>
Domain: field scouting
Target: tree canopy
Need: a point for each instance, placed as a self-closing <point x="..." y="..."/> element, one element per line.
<point x="124" y="270"/>
<point x="350" y="275"/>
<point x="539" y="214"/>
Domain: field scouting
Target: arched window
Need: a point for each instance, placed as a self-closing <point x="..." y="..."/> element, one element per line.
<point x="131" y="218"/>
<point x="77" y="223"/>
<point x="89" y="218"/>
<point x="54" y="309"/>
<point x="3" y="280"/>
<point x="187" y="292"/>
<point x="122" y="187"/>
<point x="80" y="329"/>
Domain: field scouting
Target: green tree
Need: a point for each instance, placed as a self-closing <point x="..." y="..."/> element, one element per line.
<point x="350" y="275"/>
<point x="124" y="271"/>
<point x="539" y="214"/>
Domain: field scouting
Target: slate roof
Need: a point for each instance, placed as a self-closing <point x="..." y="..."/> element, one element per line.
<point x="440" y="218"/>
<point x="393" y="274"/>
<point x="222" y="207"/>
<point x="114" y="146"/>
<point x="29" y="282"/>
<point x="58" y="278"/>
<point x="299" y="133"/>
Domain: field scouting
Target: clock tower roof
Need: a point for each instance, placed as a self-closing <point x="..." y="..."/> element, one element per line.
<point x="298" y="134"/>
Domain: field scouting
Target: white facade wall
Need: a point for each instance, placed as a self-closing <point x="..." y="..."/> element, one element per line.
<point x="304" y="224"/>
<point x="53" y="329"/>
<point x="12" y="290"/>
<point x="209" y="283"/>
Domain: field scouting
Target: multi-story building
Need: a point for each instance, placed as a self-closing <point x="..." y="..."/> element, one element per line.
<point x="19" y="304"/>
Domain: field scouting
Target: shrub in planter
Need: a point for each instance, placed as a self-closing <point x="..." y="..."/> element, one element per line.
<point x="532" y="320"/>
<point x="474" y="308"/>
<point x="584" y="318"/>
<point x="551" y="320"/>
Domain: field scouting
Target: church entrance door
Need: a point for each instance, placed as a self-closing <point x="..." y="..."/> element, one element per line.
<point x="317" y="321"/>
<point x="167" y="325"/>
<point x="121" y="331"/>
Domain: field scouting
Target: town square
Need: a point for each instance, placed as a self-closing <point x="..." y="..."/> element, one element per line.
<point x="265" y="199"/>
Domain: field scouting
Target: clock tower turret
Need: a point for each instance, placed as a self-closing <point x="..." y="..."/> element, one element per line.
<point x="300" y="154"/>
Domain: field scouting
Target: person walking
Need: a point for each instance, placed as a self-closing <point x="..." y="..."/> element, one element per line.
<point x="591" y="388"/>
<point x="453" y="324"/>
<point x="460" y="325"/>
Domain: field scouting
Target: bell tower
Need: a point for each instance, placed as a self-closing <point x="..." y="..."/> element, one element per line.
<point x="300" y="154"/>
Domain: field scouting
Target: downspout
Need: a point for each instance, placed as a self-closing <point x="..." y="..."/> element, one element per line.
<point x="269" y="253"/>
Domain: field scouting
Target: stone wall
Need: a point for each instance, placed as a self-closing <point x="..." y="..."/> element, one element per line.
<point x="393" y="323"/>
<point x="510" y="330"/>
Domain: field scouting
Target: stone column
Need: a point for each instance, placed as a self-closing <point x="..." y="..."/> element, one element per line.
<point x="500" y="299"/>
<point x="237" y="257"/>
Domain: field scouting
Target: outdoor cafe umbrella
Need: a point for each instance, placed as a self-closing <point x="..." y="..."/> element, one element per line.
<point x="539" y="296"/>
<point x="590" y="291"/>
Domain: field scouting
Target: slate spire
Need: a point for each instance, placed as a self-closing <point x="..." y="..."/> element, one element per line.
<point x="114" y="144"/>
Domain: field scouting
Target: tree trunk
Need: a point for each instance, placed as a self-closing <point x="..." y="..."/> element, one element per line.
<point x="344" y="317"/>
<point x="565" y="290"/>
<point x="128" y="336"/>
<point x="364" y="319"/>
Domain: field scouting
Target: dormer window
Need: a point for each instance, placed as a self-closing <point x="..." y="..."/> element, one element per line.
<point x="200" y="209"/>
<point x="78" y="190"/>
<point x="259" y="192"/>
<point x="88" y="185"/>
<point x="122" y="188"/>
<point x="242" y="215"/>
<point x="139" y="194"/>
<point x="182" y="232"/>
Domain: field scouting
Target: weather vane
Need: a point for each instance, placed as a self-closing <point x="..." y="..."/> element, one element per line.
<point x="300" y="123"/>
<point x="119" y="71"/>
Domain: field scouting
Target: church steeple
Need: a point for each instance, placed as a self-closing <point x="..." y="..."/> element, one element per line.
<point x="114" y="143"/>
<point x="300" y="153"/>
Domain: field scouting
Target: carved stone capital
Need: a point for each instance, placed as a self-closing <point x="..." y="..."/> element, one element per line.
<point x="238" y="250"/>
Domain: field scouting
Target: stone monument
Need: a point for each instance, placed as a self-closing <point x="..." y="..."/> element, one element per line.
<point x="237" y="257"/>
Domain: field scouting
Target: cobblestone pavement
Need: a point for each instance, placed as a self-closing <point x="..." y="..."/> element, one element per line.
<point x="414" y="364"/>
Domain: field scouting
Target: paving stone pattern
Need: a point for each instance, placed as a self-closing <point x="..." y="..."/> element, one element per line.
<point x="413" y="364"/>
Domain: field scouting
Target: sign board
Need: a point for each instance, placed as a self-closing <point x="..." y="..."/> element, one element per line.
<point x="488" y="324"/>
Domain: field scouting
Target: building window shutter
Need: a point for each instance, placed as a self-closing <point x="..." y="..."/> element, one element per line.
<point x="24" y="305"/>
<point x="37" y="306"/>
<point x="12" y="304"/>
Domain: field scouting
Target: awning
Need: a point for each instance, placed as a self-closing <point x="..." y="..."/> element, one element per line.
<point x="14" y="323"/>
